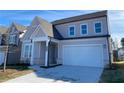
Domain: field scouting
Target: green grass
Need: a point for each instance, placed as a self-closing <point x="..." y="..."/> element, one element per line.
<point x="13" y="72"/>
<point x="115" y="75"/>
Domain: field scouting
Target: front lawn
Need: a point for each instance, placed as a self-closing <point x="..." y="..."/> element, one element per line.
<point x="115" y="75"/>
<point x="13" y="72"/>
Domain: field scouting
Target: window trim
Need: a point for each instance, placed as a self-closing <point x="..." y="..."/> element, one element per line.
<point x="69" y="31"/>
<point x="12" y="37"/>
<point x="29" y="51"/>
<point x="95" y="28"/>
<point x="81" y="29"/>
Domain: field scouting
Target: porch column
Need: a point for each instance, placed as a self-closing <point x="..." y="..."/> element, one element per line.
<point x="32" y="54"/>
<point x="46" y="53"/>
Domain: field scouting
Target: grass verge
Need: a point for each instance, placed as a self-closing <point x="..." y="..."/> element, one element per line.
<point x="13" y="72"/>
<point x="115" y="75"/>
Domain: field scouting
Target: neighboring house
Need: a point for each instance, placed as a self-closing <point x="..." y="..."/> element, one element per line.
<point x="15" y="32"/>
<point x="12" y="39"/>
<point x="3" y="34"/>
<point x="80" y="41"/>
<point x="121" y="53"/>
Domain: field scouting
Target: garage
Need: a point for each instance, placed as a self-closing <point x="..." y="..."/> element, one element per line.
<point x="2" y="54"/>
<point x="83" y="55"/>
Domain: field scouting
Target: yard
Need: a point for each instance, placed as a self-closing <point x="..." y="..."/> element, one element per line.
<point x="114" y="75"/>
<point x="13" y="72"/>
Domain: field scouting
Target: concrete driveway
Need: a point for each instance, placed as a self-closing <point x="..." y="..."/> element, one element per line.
<point x="74" y="74"/>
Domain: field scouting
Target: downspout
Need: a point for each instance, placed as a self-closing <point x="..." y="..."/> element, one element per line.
<point x="108" y="42"/>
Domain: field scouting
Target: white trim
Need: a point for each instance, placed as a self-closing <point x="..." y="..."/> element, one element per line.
<point x="12" y="39"/>
<point x="32" y="54"/>
<point x="29" y="45"/>
<point x="85" y="45"/>
<point x="38" y="27"/>
<point x="87" y="39"/>
<point x="40" y="39"/>
<point x="69" y="30"/>
<point x="101" y="27"/>
<point x="26" y="41"/>
<point x="46" y="54"/>
<point x="54" y="40"/>
<point x="81" y="29"/>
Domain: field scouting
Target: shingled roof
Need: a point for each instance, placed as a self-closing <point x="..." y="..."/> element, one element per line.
<point x="46" y="26"/>
<point x="19" y="27"/>
<point x="81" y="17"/>
<point x="3" y="30"/>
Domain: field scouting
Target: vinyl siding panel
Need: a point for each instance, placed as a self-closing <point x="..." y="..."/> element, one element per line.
<point x="63" y="28"/>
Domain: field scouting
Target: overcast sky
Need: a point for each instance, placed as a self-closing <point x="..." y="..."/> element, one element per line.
<point x="116" y="18"/>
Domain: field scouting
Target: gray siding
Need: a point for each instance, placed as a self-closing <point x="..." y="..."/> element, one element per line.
<point x="14" y="55"/>
<point x="63" y="28"/>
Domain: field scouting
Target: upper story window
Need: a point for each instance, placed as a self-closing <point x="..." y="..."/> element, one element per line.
<point x="98" y="27"/>
<point x="84" y="29"/>
<point x="71" y="30"/>
<point x="12" y="39"/>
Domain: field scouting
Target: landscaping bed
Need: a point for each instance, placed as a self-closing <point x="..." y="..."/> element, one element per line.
<point x="114" y="75"/>
<point x="13" y="72"/>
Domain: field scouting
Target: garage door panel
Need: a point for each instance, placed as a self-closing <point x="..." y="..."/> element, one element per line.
<point x="83" y="55"/>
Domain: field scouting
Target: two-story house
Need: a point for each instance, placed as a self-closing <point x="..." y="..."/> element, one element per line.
<point x="12" y="40"/>
<point x="15" y="32"/>
<point x="80" y="41"/>
<point x="3" y="35"/>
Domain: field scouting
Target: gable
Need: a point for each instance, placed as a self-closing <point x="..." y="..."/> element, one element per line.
<point x="38" y="32"/>
<point x="13" y="30"/>
<point x="33" y="31"/>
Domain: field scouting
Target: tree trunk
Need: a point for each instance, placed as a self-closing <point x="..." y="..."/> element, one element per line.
<point x="5" y="59"/>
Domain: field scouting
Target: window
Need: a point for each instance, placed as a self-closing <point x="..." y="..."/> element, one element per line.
<point x="27" y="51"/>
<point x="71" y="31"/>
<point x="12" y="39"/>
<point x="26" y="54"/>
<point x="83" y="29"/>
<point x="98" y="28"/>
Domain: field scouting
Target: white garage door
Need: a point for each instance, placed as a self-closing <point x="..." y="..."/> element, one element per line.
<point x="83" y="55"/>
<point x="2" y="54"/>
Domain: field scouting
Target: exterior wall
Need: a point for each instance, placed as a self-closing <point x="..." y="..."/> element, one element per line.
<point x="102" y="41"/>
<point x="22" y="58"/>
<point x="14" y="55"/>
<point x="13" y="31"/>
<point x="39" y="50"/>
<point x="31" y="29"/>
<point x="121" y="54"/>
<point x="63" y="28"/>
<point x="2" y="54"/>
<point x="14" y="51"/>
